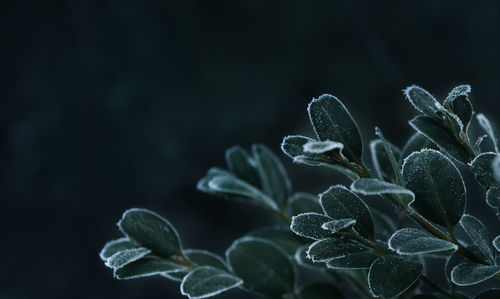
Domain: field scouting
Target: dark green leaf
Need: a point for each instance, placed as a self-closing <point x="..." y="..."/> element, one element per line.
<point x="423" y="101"/>
<point x="490" y="130"/>
<point x="377" y="187"/>
<point x="469" y="273"/>
<point x="199" y="258"/>
<point x="303" y="203"/>
<point x="386" y="159"/>
<point x="391" y="275"/>
<point x="361" y="260"/>
<point x="493" y="197"/>
<point x="332" y="121"/>
<point x="281" y="237"/>
<point x="457" y="258"/>
<point x="114" y="246"/>
<point x="273" y="177"/>
<point x="416" y="143"/>
<point x="482" y="167"/>
<point x="458" y="103"/>
<point x="496" y="243"/>
<point x="127" y="256"/>
<point x="302" y="259"/>
<point x="338" y="225"/>
<point x="496" y="168"/>
<point x="384" y="227"/>
<point x="263" y="267"/>
<point x="489" y="294"/>
<point x="309" y="225"/>
<point x="478" y="233"/>
<point x="327" y="249"/>
<point x="208" y="281"/>
<point x="338" y="203"/>
<point x="147" y="266"/>
<point x="151" y="231"/>
<point x="320" y="291"/>
<point x="242" y="165"/>
<point x="416" y="241"/>
<point x="438" y="134"/>
<point x="438" y="186"/>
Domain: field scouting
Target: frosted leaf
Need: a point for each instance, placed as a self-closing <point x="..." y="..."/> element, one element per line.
<point x="147" y="266"/>
<point x="332" y="248"/>
<point x="416" y="143"/>
<point x="496" y="168"/>
<point x="338" y="225"/>
<point x="458" y="103"/>
<point x="496" y="243"/>
<point x="332" y="121"/>
<point x="124" y="257"/>
<point x="390" y="153"/>
<point x="320" y="290"/>
<point x="114" y="246"/>
<point x="322" y="147"/>
<point x="302" y="259"/>
<point x="377" y="187"/>
<point x="423" y="101"/>
<point x="469" y="273"/>
<point x="303" y="203"/>
<point x="381" y="160"/>
<point x="356" y="261"/>
<point x="483" y="168"/>
<point x="242" y="165"/>
<point x="198" y="257"/>
<point x="478" y="233"/>
<point x="309" y="225"/>
<point x="281" y="236"/>
<point x="490" y="130"/>
<point x="338" y="203"/>
<point x="438" y="187"/>
<point x="208" y="281"/>
<point x="415" y="241"/>
<point x="389" y="275"/>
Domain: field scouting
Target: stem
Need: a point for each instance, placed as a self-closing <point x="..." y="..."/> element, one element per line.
<point x="435" y="286"/>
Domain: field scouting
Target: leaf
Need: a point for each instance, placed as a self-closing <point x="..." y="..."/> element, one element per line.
<point x="478" y="233"/>
<point x="338" y="225"/>
<point x="338" y="203"/>
<point x="384" y="227"/>
<point x="386" y="159"/>
<point x="470" y="273"/>
<point x="496" y="168"/>
<point x="489" y="294"/>
<point x="416" y="143"/>
<point x="438" y="186"/>
<point x="281" y="237"/>
<point x="332" y="248"/>
<point x="114" y="246"/>
<point x="458" y="103"/>
<point x="416" y="241"/>
<point x="423" y="101"/>
<point x="493" y="197"/>
<point x="332" y="121"/>
<point x="263" y="267"/>
<point x="302" y="259"/>
<point x="151" y="231"/>
<point x="482" y="167"/>
<point x="208" y="281"/>
<point x="308" y="225"/>
<point x="377" y="187"/>
<point x="320" y="291"/>
<point x="489" y="129"/>
<point x="446" y="141"/>
<point x="127" y="256"/>
<point x="356" y="261"/>
<point x="198" y="257"/>
<point x="274" y="179"/>
<point x="391" y="275"/>
<point x="457" y="258"/>
<point x="147" y="266"/>
<point x="322" y="147"/>
<point x="302" y="203"/>
<point x="242" y="165"/>
<point x="496" y="243"/>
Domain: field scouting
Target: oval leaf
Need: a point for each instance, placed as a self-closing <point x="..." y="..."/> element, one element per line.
<point x="127" y="256"/>
<point x="338" y="225"/>
<point x="208" y="281"/>
<point x="470" y="273"/>
<point x="482" y="167"/>
<point x="327" y="249"/>
<point x="114" y="246"/>
<point x="147" y="266"/>
<point x="242" y="165"/>
<point x="356" y="261"/>
<point x="493" y="198"/>
<point x="458" y="103"/>
<point x="423" y="101"/>
<point x="382" y="161"/>
<point x="416" y="241"/>
<point x="377" y="187"/>
<point x="309" y="225"/>
<point x="478" y="233"/>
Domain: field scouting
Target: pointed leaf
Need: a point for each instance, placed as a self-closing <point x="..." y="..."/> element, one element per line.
<point x="356" y="261"/>
<point x="482" y="167"/>
<point x="198" y="257"/>
<point x="332" y="121"/>
<point x="438" y="134"/>
<point x="470" y="273"/>
<point x="274" y="179"/>
<point x="114" y="246"/>
<point x="458" y="103"/>
<point x="303" y="203"/>
<point x="496" y="243"/>
<point x="416" y="143"/>
<point x="478" y="233"/>
<point x="338" y="202"/>
<point x="263" y="267"/>
<point x="489" y="294"/>
<point x="151" y="231"/>
<point x="147" y="266"/>
<point x="309" y="225"/>
<point x="242" y="165"/>
<point x="320" y="291"/>
<point x="438" y="186"/>
<point x="338" y="225"/>
<point x="416" y="241"/>
<point x="281" y="237"/>
<point x="423" y="101"/>
<point x="208" y="281"/>
<point x="127" y="256"/>
<point x="327" y="249"/>
<point x="377" y="187"/>
<point x="490" y="130"/>
<point x="391" y="275"/>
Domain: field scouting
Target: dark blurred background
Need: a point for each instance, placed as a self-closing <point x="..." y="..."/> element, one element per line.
<point x="108" y="105"/>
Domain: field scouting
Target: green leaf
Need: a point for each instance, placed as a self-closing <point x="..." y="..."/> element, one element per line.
<point x="332" y="121"/>
<point x="308" y="225"/>
<point x="332" y="248"/>
<point x="147" y="266"/>
<point x="384" y="227"/>
<point x="114" y="246"/>
<point x="274" y="179"/>
<point x="438" y="186"/>
<point x="496" y="243"/>
<point x="281" y="237"/>
<point x="416" y="143"/>
<point x="323" y="147"/>
<point x="416" y="241"/>
<point x="151" y="231"/>
<point x="263" y="267"/>
<point x="478" y="233"/>
<point x="377" y="187"/>
<point x="489" y="294"/>
<point x="242" y="165"/>
<point x="338" y="225"/>
<point x="457" y="258"/>
<point x="320" y="291"/>
<point x="470" y="273"/>
<point x="198" y="257"/>
<point x="386" y="159"/>
<point x="391" y="275"/>
<point x="493" y="197"/>
<point x="489" y="129"/>
<point x="302" y="259"/>
<point x="303" y="203"/>
<point x="496" y="168"/>
<point x="127" y="256"/>
<point x="482" y="167"/>
<point x="356" y="261"/>
<point x="423" y="101"/>
<point x="208" y="281"/>
<point x="338" y="203"/>
<point x="458" y="103"/>
<point x="446" y="141"/>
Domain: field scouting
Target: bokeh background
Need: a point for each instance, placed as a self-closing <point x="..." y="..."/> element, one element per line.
<point x="108" y="105"/>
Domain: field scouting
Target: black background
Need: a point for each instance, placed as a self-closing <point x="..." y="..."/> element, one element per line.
<point x="108" y="105"/>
